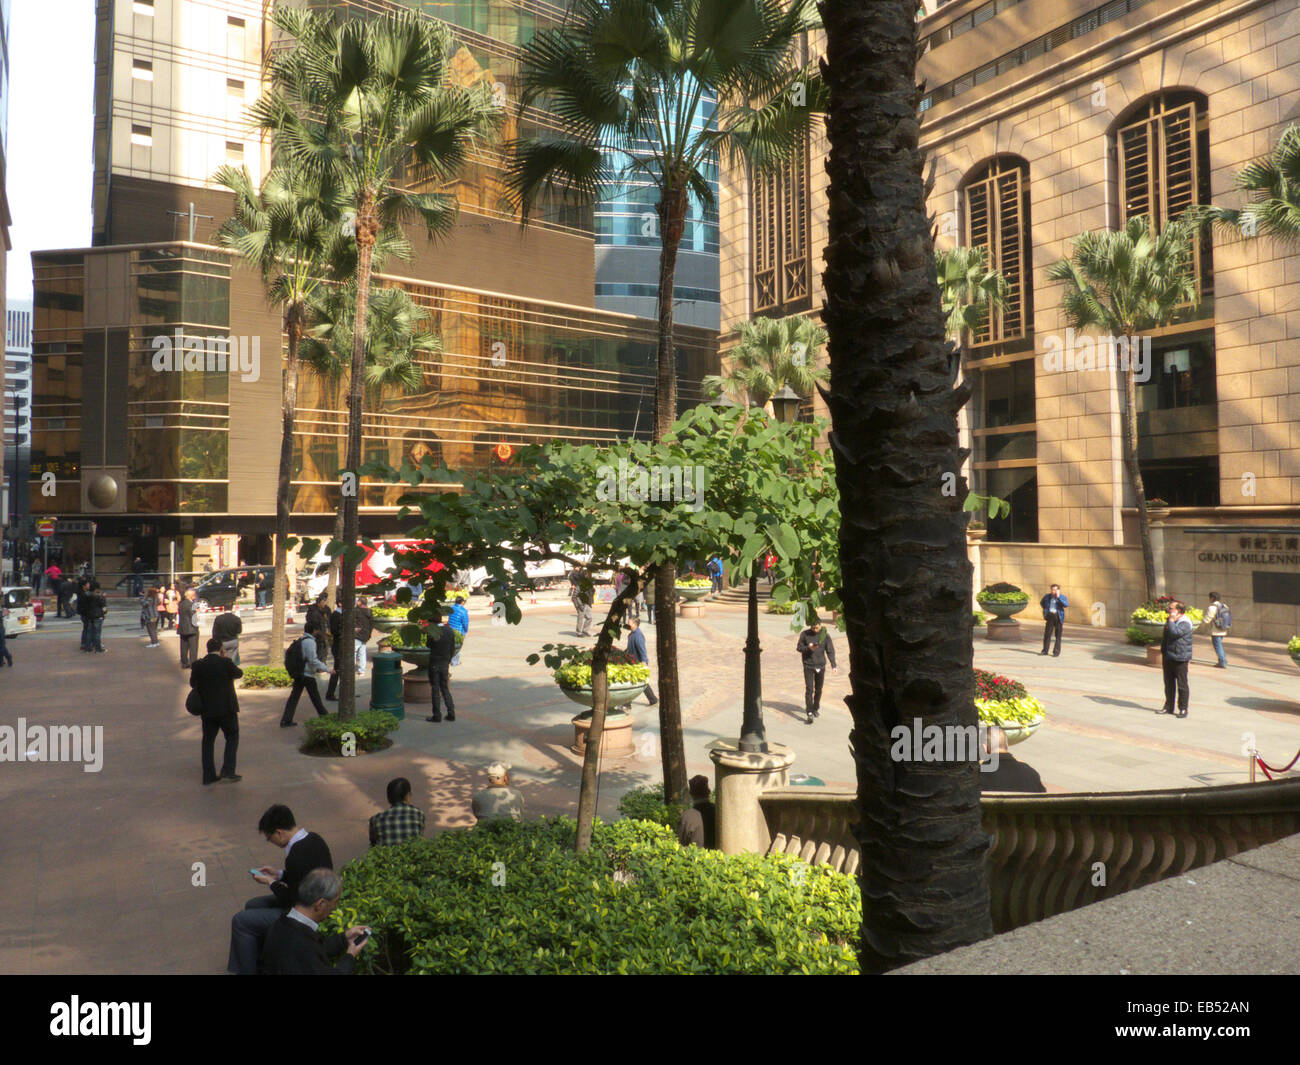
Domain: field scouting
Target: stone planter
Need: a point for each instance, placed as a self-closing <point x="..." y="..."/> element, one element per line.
<point x="414" y="656"/>
<point x="1157" y="513"/>
<point x="1019" y="733"/>
<point x="1295" y="657"/>
<point x="615" y="737"/>
<point x="692" y="595"/>
<point x="619" y="694"/>
<point x="1002" y="611"/>
<point x="1148" y="627"/>
<point x="1154" y="657"/>
<point x="389" y="624"/>
<point x="975" y="535"/>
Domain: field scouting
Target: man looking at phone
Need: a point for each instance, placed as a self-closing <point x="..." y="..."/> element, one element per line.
<point x="303" y="852"/>
<point x="293" y="944"/>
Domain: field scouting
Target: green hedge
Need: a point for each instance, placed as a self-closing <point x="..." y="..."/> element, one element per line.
<point x="370" y="727"/>
<point x="266" y="677"/>
<point x="435" y="908"/>
<point x="646" y="803"/>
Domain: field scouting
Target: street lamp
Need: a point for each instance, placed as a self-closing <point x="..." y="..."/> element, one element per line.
<point x="785" y="404"/>
<point x="723" y="403"/>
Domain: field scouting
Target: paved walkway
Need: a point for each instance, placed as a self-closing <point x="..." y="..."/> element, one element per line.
<point x="137" y="868"/>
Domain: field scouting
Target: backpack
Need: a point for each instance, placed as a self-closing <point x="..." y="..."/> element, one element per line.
<point x="294" y="659"/>
<point x="1224" y="617"/>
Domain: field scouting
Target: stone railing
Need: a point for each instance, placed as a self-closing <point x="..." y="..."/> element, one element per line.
<point x="1053" y="853"/>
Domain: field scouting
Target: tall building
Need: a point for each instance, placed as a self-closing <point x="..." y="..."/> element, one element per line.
<point x="171" y="458"/>
<point x="1046" y="120"/>
<point x="18" y="411"/>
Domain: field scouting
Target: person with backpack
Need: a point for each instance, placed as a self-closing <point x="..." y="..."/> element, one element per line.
<point x="1218" y="618"/>
<point x="302" y="663"/>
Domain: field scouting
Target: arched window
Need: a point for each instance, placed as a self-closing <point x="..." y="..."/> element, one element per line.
<point x="1162" y="152"/>
<point x="996" y="201"/>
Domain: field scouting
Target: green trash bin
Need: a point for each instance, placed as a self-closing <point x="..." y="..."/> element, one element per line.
<point x="386" y="684"/>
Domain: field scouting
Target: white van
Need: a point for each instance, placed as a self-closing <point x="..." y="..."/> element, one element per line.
<point x="544" y="574"/>
<point x="20" y="615"/>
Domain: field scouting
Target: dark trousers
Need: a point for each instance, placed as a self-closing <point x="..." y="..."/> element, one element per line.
<point x="189" y="649"/>
<point x="1052" y="625"/>
<point x="302" y="684"/>
<point x="229" y="727"/>
<point x="4" y="650"/>
<point x="248" y="930"/>
<point x="331" y="689"/>
<point x="95" y="635"/>
<point x="151" y="626"/>
<point x="813" y="679"/>
<point x="85" y="634"/>
<point x="440" y="688"/>
<point x="1175" y="675"/>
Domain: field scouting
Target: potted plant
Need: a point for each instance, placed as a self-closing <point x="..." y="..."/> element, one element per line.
<point x="627" y="678"/>
<point x="414" y="649"/>
<point x="975" y="529"/>
<point x="1150" y="617"/>
<point x="1002" y="599"/>
<point x="1007" y="703"/>
<point x="1293" y="649"/>
<point x="1157" y="508"/>
<point x="693" y="586"/>
<point x="389" y="618"/>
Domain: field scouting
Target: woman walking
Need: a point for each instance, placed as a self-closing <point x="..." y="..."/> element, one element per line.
<point x="149" y="615"/>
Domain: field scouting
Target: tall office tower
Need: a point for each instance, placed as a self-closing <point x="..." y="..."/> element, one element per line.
<point x="628" y="246"/>
<point x="527" y="354"/>
<point x="18" y="410"/>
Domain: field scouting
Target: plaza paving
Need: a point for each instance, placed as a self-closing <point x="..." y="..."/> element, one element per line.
<point x="99" y="869"/>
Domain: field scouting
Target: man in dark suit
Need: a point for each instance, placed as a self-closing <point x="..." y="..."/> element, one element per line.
<point x="187" y="628"/>
<point x="303" y="852"/>
<point x="442" y="648"/>
<point x="213" y="677"/>
<point x="293" y="944"/>
<point x="336" y="631"/>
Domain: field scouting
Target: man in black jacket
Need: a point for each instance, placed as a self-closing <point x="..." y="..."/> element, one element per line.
<point x="96" y="609"/>
<point x="187" y="628"/>
<point x="336" y="631"/>
<point x="442" y="648"/>
<point x="303" y="852"/>
<point x="226" y="627"/>
<point x="815" y="646"/>
<point x="293" y="944"/>
<point x="213" y="677"/>
<point x="82" y="589"/>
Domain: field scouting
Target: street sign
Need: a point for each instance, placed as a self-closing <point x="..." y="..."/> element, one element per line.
<point x="45" y="527"/>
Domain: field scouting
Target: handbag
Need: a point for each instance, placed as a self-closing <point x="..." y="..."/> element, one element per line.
<point x="194" y="702"/>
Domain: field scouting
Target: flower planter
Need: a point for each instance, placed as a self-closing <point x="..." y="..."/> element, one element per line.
<point x="1157" y="513"/>
<point x="1003" y="611"/>
<point x="692" y="595"/>
<point x="388" y="624"/>
<point x="1019" y="733"/>
<point x="415" y="656"/>
<point x="1149" y="627"/>
<point x="974" y="535"/>
<point x="1295" y="657"/>
<point x="619" y="694"/>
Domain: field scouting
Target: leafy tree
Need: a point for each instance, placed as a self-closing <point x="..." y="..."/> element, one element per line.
<point x="626" y="80"/>
<point x="772" y="354"/>
<point x="1272" y="185"/>
<point x="369" y="104"/>
<point x="968" y="290"/>
<point x="289" y="231"/>
<point x="1122" y="283"/>
<point x="906" y="580"/>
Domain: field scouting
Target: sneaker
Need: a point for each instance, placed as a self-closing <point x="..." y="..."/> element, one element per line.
<point x="234" y="778"/>
<point x="1165" y="710"/>
<point x="451" y="716"/>
<point x="431" y="718"/>
<point x="810" y="720"/>
<point x="212" y="781"/>
<point x="1042" y="652"/>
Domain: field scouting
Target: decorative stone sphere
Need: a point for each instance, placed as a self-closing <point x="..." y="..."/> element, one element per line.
<point x="102" y="492"/>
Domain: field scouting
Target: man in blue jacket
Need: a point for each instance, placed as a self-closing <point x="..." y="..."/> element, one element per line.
<point x="636" y="648"/>
<point x="1053" y="604"/>
<point x="1175" y="654"/>
<point x="458" y="619"/>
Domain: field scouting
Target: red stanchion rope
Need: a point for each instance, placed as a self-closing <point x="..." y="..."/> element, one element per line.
<point x="1267" y="768"/>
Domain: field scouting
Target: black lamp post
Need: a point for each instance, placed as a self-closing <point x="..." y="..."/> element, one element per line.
<point x="785" y="404"/>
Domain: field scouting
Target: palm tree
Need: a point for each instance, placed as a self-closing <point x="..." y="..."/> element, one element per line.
<point x="905" y="575"/>
<point x="627" y="81"/>
<point x="1273" y="185"/>
<point x="372" y="105"/>
<point x="1123" y="282"/>
<point x="289" y="231"/>
<point x="968" y="290"/>
<point x="772" y="354"/>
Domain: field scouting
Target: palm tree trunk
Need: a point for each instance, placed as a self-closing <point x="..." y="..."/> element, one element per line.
<point x="906" y="577"/>
<point x="599" y="709"/>
<point x="289" y="413"/>
<point x="672" y="218"/>
<point x="367" y="229"/>
<point x="1128" y="421"/>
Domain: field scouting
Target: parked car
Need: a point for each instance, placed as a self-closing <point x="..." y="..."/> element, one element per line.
<point x="222" y="587"/>
<point x="20" y="613"/>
